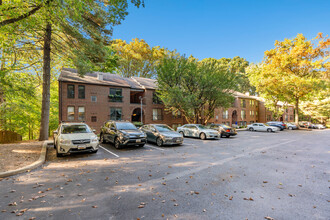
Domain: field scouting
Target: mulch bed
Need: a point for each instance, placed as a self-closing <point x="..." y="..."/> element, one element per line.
<point x="20" y="154"/>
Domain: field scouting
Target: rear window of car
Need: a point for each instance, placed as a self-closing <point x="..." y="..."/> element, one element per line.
<point x="74" y="129"/>
<point x="125" y="126"/>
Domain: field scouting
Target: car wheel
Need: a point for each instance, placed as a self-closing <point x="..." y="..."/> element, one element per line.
<point x="117" y="143"/>
<point x="269" y="130"/>
<point x="58" y="154"/>
<point x="202" y="136"/>
<point x="251" y="129"/>
<point x="159" y="142"/>
<point x="181" y="132"/>
<point x="290" y="128"/>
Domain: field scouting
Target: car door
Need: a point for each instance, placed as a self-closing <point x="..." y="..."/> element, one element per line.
<point x="153" y="133"/>
<point x="262" y="127"/>
<point x="112" y="132"/>
<point x="194" y="131"/>
<point x="185" y="130"/>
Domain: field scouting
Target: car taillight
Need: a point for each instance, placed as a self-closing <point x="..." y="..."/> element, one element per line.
<point x="227" y="130"/>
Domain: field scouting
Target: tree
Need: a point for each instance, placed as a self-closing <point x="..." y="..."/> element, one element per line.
<point x="293" y="70"/>
<point x="237" y="66"/>
<point x="137" y="58"/>
<point x="195" y="88"/>
<point x="77" y="30"/>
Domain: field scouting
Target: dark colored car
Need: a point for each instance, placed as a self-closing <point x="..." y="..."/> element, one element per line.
<point x="162" y="134"/>
<point x="278" y="124"/>
<point x="224" y="130"/>
<point x="122" y="133"/>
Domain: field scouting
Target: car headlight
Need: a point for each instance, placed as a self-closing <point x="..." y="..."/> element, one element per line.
<point x="94" y="140"/>
<point x="65" y="141"/>
<point x="166" y="137"/>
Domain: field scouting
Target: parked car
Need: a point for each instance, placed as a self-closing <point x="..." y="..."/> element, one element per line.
<point x="73" y="138"/>
<point x="291" y="126"/>
<point x="304" y="124"/>
<point x="262" y="127"/>
<point x="278" y="124"/>
<point x="122" y="133"/>
<point x="197" y="130"/>
<point x="162" y="134"/>
<point x="224" y="130"/>
<point x="320" y="126"/>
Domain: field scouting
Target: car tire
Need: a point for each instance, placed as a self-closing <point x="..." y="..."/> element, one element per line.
<point x="202" y="136"/>
<point x="102" y="141"/>
<point x="58" y="154"/>
<point x="159" y="142"/>
<point x="290" y="128"/>
<point x="181" y="132"/>
<point x="117" y="143"/>
<point x="251" y="129"/>
<point x="269" y="130"/>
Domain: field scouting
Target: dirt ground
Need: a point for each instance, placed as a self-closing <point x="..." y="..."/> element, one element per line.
<point x="17" y="155"/>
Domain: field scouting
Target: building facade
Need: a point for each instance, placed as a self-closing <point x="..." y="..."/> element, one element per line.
<point x="98" y="97"/>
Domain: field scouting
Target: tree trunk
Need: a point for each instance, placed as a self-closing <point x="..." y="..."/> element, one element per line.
<point x="296" y="116"/>
<point x="44" y="125"/>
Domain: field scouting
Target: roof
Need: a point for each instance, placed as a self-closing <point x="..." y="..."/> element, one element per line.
<point x="71" y="75"/>
<point x="241" y="95"/>
<point x="279" y="103"/>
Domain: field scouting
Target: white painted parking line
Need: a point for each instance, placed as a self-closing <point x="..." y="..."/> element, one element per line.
<point x="157" y="148"/>
<point x="108" y="151"/>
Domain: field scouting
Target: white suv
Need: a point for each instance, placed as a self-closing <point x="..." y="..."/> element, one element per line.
<point x="73" y="138"/>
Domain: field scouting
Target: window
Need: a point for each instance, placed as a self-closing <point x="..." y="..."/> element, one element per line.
<point x="81" y="113"/>
<point x="115" y="95"/>
<point x="251" y="102"/>
<point x="286" y="117"/>
<point x="70" y="91"/>
<point x="156" y="99"/>
<point x="256" y="113"/>
<point x="225" y="114"/>
<point x="115" y="114"/>
<point x="287" y="110"/>
<point x="268" y="118"/>
<point x="243" y="114"/>
<point x="253" y="113"/>
<point x="94" y="98"/>
<point x="157" y="114"/>
<point x="70" y="113"/>
<point x="81" y="92"/>
<point x="291" y="117"/>
<point x="243" y="103"/>
<point x="94" y="119"/>
<point x="176" y="114"/>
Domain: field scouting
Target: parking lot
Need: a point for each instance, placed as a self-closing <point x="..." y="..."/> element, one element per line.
<point x="282" y="175"/>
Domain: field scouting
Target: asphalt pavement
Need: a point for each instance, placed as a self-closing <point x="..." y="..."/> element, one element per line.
<point x="282" y="175"/>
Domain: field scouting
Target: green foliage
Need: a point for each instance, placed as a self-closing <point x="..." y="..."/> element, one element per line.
<point x="194" y="87"/>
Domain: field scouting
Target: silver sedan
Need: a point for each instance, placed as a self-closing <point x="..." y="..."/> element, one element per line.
<point x="197" y="130"/>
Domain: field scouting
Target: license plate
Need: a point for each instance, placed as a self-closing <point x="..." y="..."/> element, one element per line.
<point x="81" y="147"/>
<point x="138" y="140"/>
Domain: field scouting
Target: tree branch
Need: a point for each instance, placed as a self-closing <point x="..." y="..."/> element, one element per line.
<point x="13" y="20"/>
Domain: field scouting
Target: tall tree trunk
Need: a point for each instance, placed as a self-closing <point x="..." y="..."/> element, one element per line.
<point x="296" y="116"/>
<point x="44" y="125"/>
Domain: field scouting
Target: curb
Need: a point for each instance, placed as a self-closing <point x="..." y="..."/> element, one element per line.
<point x="33" y="165"/>
<point x="241" y="129"/>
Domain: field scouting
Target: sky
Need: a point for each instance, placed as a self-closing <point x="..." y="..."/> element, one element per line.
<point x="217" y="28"/>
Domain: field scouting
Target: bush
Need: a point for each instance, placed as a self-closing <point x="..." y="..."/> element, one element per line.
<point x="138" y="124"/>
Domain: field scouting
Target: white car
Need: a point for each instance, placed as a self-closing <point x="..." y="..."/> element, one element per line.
<point x="197" y="130"/>
<point x="262" y="127"/>
<point x="73" y="138"/>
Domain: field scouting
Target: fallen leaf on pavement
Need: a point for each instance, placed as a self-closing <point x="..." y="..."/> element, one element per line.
<point x="265" y="181"/>
<point x="94" y="206"/>
<point x="269" y="218"/>
<point x="250" y="199"/>
<point x="231" y="198"/>
<point x="12" y="204"/>
<point x="204" y="210"/>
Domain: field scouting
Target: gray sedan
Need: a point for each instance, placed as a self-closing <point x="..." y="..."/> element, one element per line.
<point x="162" y="134"/>
<point x="197" y="130"/>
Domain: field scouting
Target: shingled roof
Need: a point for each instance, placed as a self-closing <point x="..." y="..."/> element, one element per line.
<point x="71" y="75"/>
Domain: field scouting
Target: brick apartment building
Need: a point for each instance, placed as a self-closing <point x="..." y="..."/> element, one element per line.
<point x="98" y="97"/>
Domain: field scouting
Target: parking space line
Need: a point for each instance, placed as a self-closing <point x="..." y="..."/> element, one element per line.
<point x="108" y="151"/>
<point x="157" y="148"/>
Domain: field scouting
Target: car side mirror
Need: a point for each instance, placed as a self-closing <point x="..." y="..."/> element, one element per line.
<point x="94" y="130"/>
<point x="55" y="132"/>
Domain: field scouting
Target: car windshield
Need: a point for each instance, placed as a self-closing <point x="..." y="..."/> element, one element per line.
<point x="125" y="126"/>
<point x="74" y="129"/>
<point x="266" y="124"/>
<point x="201" y="126"/>
<point x="163" y="128"/>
